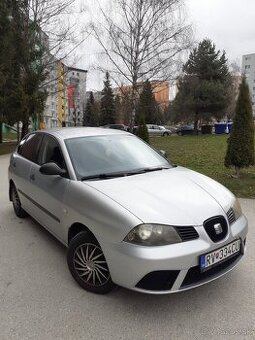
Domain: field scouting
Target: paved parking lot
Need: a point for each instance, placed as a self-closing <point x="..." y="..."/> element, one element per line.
<point x="40" y="300"/>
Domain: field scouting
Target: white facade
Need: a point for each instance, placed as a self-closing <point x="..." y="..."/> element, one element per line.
<point x="76" y="78"/>
<point x="73" y="107"/>
<point x="248" y="69"/>
<point x="50" y="114"/>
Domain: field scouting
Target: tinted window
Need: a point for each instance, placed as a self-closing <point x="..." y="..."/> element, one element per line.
<point x="51" y="152"/>
<point x="30" y="147"/>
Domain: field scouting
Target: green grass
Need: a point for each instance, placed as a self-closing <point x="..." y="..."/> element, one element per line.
<point x="205" y="154"/>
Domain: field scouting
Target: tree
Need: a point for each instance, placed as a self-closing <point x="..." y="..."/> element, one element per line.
<point x="91" y="113"/>
<point x="107" y="111"/>
<point x="11" y="91"/>
<point x="240" y="149"/>
<point x="31" y="40"/>
<point x="144" y="40"/>
<point x="204" y="87"/>
<point x="142" y="130"/>
<point x="147" y="105"/>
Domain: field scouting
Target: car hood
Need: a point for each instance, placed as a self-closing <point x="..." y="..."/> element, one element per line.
<point x="176" y="196"/>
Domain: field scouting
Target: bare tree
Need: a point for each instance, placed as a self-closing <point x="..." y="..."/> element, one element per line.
<point x="144" y="40"/>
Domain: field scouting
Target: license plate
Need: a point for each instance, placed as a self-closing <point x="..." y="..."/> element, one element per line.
<point x="209" y="260"/>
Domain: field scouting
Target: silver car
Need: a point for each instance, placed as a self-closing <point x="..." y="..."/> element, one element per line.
<point x="157" y="130"/>
<point x="127" y="215"/>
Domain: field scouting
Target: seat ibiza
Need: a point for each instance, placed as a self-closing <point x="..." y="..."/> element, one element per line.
<point x="127" y="215"/>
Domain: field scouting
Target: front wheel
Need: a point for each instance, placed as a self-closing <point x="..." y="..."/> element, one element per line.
<point x="165" y="134"/>
<point x="88" y="265"/>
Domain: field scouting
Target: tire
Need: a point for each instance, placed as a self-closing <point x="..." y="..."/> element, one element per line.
<point x="19" y="211"/>
<point x="179" y="133"/>
<point x="165" y="134"/>
<point x="87" y="266"/>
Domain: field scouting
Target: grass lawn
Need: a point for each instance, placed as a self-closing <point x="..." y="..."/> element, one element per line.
<point x="205" y="154"/>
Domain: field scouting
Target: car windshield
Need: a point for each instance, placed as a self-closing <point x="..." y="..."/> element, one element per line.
<point x="112" y="155"/>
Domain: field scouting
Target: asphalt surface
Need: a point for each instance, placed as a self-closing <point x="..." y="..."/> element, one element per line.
<point x="40" y="300"/>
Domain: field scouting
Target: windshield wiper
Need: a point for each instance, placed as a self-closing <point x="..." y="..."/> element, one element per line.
<point x="123" y="174"/>
<point x="104" y="176"/>
<point x="154" y="169"/>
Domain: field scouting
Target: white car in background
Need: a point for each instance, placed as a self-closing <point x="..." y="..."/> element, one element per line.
<point x="158" y="130"/>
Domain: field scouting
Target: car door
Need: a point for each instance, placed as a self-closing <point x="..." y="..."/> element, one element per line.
<point x="49" y="191"/>
<point x="20" y="166"/>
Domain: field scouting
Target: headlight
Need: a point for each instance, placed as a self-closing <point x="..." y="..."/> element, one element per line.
<point x="237" y="209"/>
<point x="153" y="235"/>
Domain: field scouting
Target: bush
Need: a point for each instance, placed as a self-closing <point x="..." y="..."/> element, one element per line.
<point x="142" y="130"/>
<point x="240" y="150"/>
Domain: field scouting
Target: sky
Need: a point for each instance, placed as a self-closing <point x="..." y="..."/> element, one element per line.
<point x="228" y="23"/>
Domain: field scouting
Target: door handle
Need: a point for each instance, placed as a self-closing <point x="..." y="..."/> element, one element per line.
<point x="32" y="177"/>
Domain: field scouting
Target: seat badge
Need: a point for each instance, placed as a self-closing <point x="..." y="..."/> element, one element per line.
<point x="218" y="228"/>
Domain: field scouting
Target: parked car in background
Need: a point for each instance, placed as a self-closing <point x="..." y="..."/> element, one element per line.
<point x="127" y="215"/>
<point x="185" y="130"/>
<point x="157" y="130"/>
<point x="116" y="126"/>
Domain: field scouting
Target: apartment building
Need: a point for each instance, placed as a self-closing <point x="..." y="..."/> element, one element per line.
<point x="248" y="69"/>
<point x="66" y="88"/>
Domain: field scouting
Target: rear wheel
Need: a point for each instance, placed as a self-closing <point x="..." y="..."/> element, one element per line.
<point x="88" y="265"/>
<point x="19" y="211"/>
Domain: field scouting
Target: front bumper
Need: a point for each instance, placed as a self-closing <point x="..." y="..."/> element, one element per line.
<point x="178" y="263"/>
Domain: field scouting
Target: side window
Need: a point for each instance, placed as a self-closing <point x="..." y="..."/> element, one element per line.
<point x="50" y="152"/>
<point x="30" y="147"/>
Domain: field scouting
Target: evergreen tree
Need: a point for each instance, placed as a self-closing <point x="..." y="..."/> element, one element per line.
<point x="90" y="117"/>
<point x="107" y="110"/>
<point x="203" y="90"/>
<point x="21" y="54"/>
<point x="147" y="105"/>
<point x="142" y="130"/>
<point x="240" y="150"/>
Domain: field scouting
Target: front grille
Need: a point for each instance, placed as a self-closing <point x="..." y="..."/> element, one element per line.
<point x="194" y="274"/>
<point x="231" y="216"/>
<point x="187" y="233"/>
<point x="216" y="228"/>
<point x="158" y="280"/>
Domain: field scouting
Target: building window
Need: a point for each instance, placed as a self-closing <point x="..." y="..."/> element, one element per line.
<point x="247" y="66"/>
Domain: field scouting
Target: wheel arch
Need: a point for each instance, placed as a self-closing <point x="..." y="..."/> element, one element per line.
<point x="76" y="228"/>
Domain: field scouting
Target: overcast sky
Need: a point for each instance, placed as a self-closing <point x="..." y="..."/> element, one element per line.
<point x="228" y="23"/>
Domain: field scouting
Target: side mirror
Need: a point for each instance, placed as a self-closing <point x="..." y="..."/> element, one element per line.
<point x="163" y="153"/>
<point x="52" y="169"/>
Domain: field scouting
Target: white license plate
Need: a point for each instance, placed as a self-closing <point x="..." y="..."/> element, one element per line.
<point x="219" y="255"/>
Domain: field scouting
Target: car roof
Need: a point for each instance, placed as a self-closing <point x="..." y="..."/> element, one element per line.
<point x="74" y="132"/>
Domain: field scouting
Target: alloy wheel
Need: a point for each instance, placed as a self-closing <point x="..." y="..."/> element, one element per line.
<point x="90" y="264"/>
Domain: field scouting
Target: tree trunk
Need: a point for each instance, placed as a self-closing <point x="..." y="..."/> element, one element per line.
<point x="237" y="170"/>
<point x="1" y="132"/>
<point x="133" y="108"/>
<point x="196" y="124"/>
<point x="24" y="130"/>
<point x="18" y="132"/>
